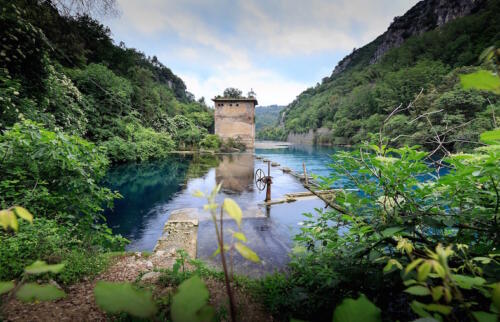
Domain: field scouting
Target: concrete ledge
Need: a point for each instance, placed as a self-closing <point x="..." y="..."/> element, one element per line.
<point x="180" y="232"/>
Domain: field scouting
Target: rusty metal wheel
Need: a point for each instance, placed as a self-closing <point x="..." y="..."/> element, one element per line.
<point x="260" y="179"/>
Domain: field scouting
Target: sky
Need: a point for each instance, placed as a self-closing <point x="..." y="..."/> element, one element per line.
<point x="278" y="48"/>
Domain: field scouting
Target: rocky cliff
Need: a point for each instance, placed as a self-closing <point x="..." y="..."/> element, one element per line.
<point x="424" y="16"/>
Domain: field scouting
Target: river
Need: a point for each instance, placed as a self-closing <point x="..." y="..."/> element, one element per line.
<point x="151" y="190"/>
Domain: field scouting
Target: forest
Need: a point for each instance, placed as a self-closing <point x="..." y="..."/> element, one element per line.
<point x="429" y="67"/>
<point x="415" y="237"/>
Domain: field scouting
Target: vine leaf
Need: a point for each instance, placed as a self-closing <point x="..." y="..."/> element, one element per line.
<point x="31" y="292"/>
<point x="217" y="251"/>
<point x="468" y="282"/>
<point x="8" y="219"/>
<point x="495" y="296"/>
<point x="490" y="137"/>
<point x="362" y="309"/>
<point x="246" y="252"/>
<point x="124" y="297"/>
<point x="240" y="236"/>
<point x="391" y="231"/>
<point x="233" y="210"/>
<point x="40" y="267"/>
<point x="485" y="316"/>
<point x="6" y="287"/>
<point x="418" y="290"/>
<point x="190" y="302"/>
<point x="23" y="213"/>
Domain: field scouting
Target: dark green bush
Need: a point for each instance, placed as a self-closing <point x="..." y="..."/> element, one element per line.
<point x="140" y="144"/>
<point x="52" y="174"/>
<point x="50" y="241"/>
<point x="210" y="142"/>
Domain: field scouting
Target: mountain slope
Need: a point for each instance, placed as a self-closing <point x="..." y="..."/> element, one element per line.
<point x="427" y="48"/>
<point x="67" y="73"/>
<point x="266" y="116"/>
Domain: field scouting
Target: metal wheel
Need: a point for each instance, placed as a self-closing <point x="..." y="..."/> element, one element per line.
<point x="260" y="180"/>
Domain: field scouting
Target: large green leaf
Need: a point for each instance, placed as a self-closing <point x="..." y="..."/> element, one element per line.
<point x="490" y="137"/>
<point x="485" y="316"/>
<point x="388" y="232"/>
<point x="418" y="290"/>
<point x="362" y="309"/>
<point x="34" y="292"/>
<point x="240" y="236"/>
<point x="233" y="210"/>
<point x="23" y="213"/>
<point x="481" y="80"/>
<point x="124" y="297"/>
<point x="6" y="286"/>
<point x="468" y="282"/>
<point x="246" y="252"/>
<point x="8" y="219"/>
<point x="495" y="296"/>
<point x="190" y="302"/>
<point x="40" y="267"/>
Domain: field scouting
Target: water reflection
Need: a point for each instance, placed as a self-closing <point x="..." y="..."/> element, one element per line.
<point x="152" y="190"/>
<point x="235" y="172"/>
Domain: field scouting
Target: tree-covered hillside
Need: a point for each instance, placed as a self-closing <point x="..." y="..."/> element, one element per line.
<point x="266" y="116"/>
<point x="355" y="100"/>
<point x="66" y="72"/>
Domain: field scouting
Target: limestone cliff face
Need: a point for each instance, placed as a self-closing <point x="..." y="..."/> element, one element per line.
<point x="424" y="16"/>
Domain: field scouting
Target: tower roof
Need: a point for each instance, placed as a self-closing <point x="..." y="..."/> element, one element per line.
<point x="235" y="99"/>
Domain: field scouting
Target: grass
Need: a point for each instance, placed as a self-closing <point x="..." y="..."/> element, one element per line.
<point x="481" y="80"/>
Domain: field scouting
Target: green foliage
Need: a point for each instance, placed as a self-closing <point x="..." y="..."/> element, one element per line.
<point x="8" y="217"/>
<point x="491" y="137"/>
<point x="6" y="287"/>
<point x="267" y="117"/>
<point x="357" y="310"/>
<point x="272" y="133"/>
<point x="140" y="144"/>
<point x="211" y="142"/>
<point x="31" y="292"/>
<point x="231" y="208"/>
<point x="58" y="179"/>
<point x="124" y="297"/>
<point x="190" y="302"/>
<point x="109" y="97"/>
<point x="186" y="133"/>
<point x="403" y="209"/>
<point x="353" y="103"/>
<point x="232" y="145"/>
<point x="481" y="80"/>
<point x="40" y="267"/>
<point x="50" y="242"/>
<point x="80" y="82"/>
<point x="80" y="264"/>
<point x="437" y="278"/>
<point x="232" y="92"/>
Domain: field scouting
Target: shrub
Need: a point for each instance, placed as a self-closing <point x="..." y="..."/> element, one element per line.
<point x="211" y="142"/>
<point x="53" y="174"/>
<point x="48" y="240"/>
<point x="141" y="144"/>
<point x="230" y="145"/>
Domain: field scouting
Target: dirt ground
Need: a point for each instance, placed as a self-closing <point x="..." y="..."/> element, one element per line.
<point x="79" y="303"/>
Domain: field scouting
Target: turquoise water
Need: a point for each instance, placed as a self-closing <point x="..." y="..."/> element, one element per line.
<point x="152" y="190"/>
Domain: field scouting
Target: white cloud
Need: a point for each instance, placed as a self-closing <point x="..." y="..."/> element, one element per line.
<point x="226" y="39"/>
<point x="270" y="87"/>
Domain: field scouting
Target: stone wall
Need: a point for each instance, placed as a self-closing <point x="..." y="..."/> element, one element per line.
<point x="236" y="119"/>
<point x="319" y="136"/>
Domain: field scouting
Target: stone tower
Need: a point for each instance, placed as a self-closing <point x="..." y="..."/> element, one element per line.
<point x="235" y="118"/>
